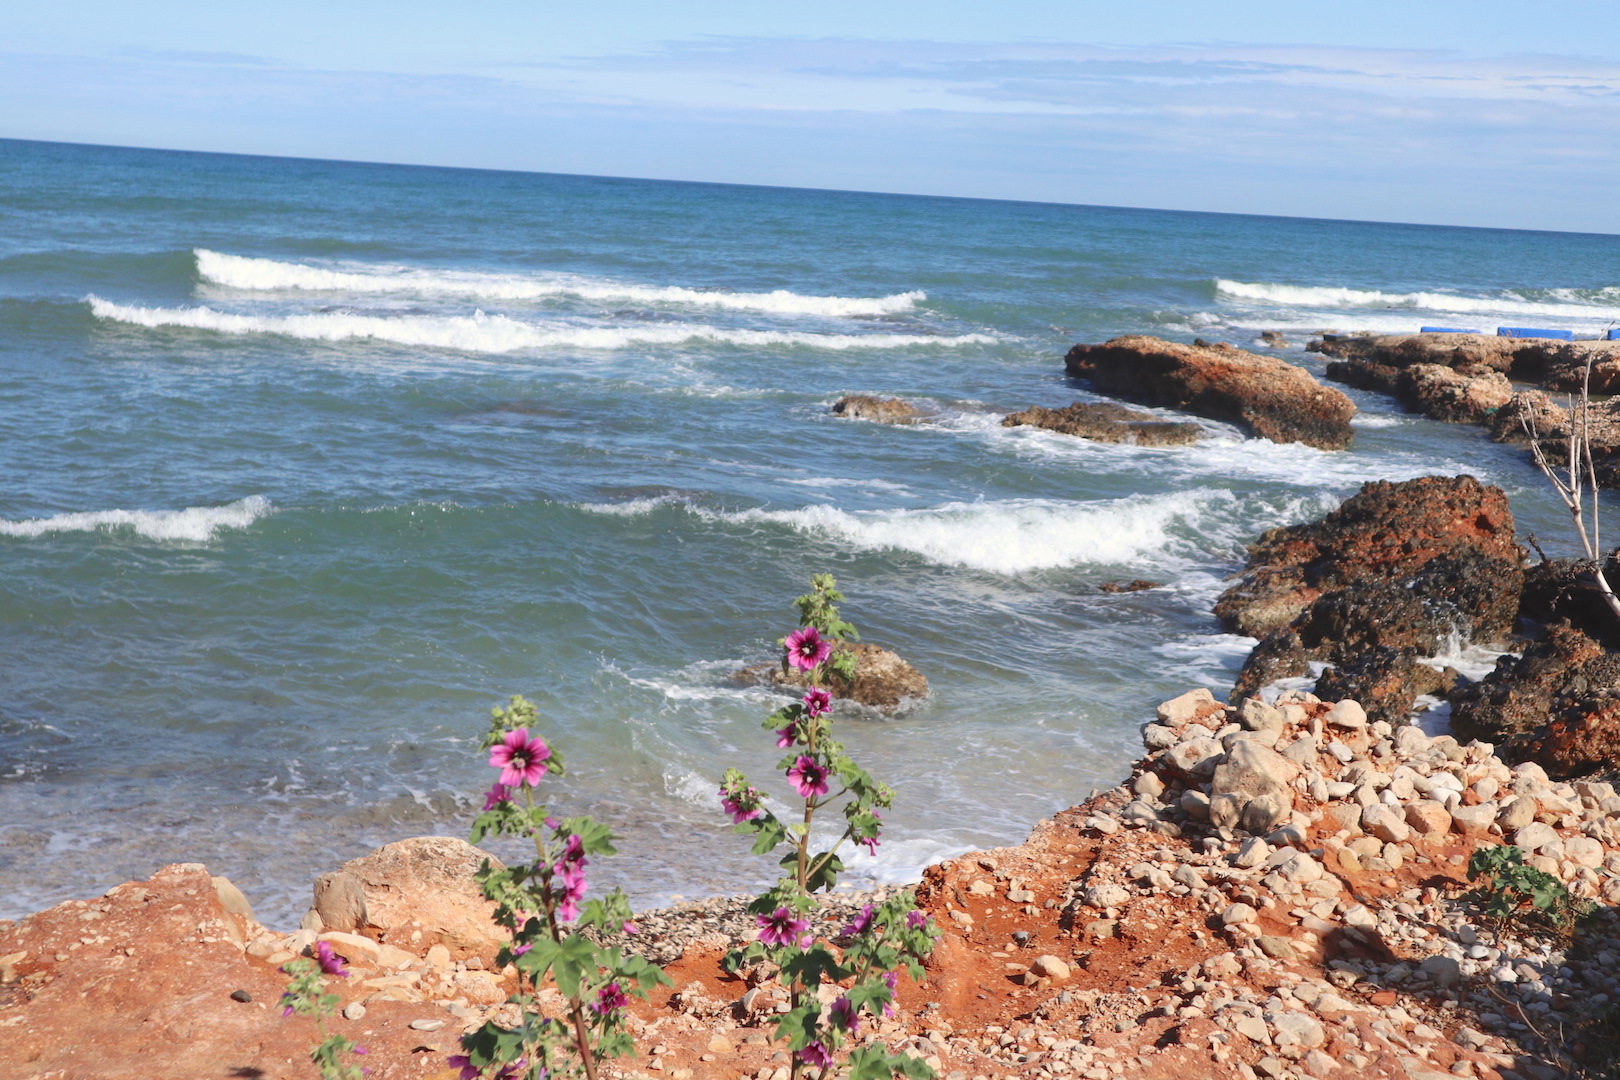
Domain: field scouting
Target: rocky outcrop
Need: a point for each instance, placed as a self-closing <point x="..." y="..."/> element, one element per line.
<point x="1468" y="396"/>
<point x="1389" y="576"/>
<point x="1107" y="423"/>
<point x="878" y="410"/>
<point x="882" y="679"/>
<point x="413" y="894"/>
<point x="1267" y="396"/>
<point x="1558" y="365"/>
<point x="1557" y="705"/>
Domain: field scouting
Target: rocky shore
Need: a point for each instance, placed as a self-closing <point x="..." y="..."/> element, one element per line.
<point x="1276" y="891"/>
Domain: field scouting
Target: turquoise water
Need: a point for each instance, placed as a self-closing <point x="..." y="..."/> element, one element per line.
<point x="307" y="464"/>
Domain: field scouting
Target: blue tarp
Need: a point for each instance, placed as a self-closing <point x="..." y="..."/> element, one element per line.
<point x="1444" y="330"/>
<point x="1613" y="335"/>
<point x="1525" y="331"/>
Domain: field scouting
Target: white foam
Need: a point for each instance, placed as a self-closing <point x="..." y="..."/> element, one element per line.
<point x="497" y="333"/>
<point x="1007" y="537"/>
<point x="1568" y="305"/>
<point x="250" y="274"/>
<point x="195" y="523"/>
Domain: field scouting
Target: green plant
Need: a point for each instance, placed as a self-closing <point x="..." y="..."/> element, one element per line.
<point x="883" y="939"/>
<point x="1513" y="890"/>
<point x="540" y="903"/>
<point x="306" y="996"/>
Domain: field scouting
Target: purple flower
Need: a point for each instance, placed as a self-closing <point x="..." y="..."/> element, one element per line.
<point x="844" y="1015"/>
<point x="522" y="760"/>
<point x="608" y="998"/>
<point x="892" y="980"/>
<point x="871" y="842"/>
<point x="817" y="701"/>
<point x="741" y="805"/>
<point x="861" y="923"/>
<point x="786" y="737"/>
<point x="631" y="928"/>
<point x="464" y="1063"/>
<point x="806" y="649"/>
<point x="808" y="776"/>
<point x="916" y="919"/>
<point x="782" y="927"/>
<point x="815" y="1055"/>
<point x="496" y="795"/>
<point x="331" y="963"/>
<point x="570" y="868"/>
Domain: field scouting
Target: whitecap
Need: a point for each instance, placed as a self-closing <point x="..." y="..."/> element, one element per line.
<point x="1570" y="305"/>
<point x="253" y="274"/>
<point x="195" y="523"/>
<point x="499" y="333"/>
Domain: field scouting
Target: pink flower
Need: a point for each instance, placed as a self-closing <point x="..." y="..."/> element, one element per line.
<point x="608" y="998"/>
<point x="331" y="963"/>
<point x="808" y="776"/>
<point x="782" y="927"/>
<point x="631" y="928"/>
<point x="496" y="795"/>
<point x="815" y="1055"/>
<point x="915" y="919"/>
<point x="786" y="737"/>
<point x="464" y="1063"/>
<point x="817" y="701"/>
<point x="522" y="760"/>
<point x="741" y="805"/>
<point x="861" y="923"/>
<point x="892" y="980"/>
<point x="844" y="1015"/>
<point x="806" y="650"/>
<point x="570" y="868"/>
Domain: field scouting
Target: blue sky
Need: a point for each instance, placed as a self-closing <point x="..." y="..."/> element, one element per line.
<point x="1477" y="113"/>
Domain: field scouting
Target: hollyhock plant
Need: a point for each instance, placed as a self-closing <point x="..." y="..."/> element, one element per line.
<point x="542" y="905"/>
<point x="884" y="938"/>
<point x="330" y="962"/>
<point x="306" y="996"/>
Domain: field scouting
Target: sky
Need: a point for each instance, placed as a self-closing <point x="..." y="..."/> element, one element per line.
<point x="1478" y="113"/>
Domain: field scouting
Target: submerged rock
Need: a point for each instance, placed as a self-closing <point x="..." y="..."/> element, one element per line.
<point x="878" y="410"/>
<point x="1268" y="397"/>
<point x="1388" y="577"/>
<point x="882" y="679"/>
<point x="1107" y="423"/>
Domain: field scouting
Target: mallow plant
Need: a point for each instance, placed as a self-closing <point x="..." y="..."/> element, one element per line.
<point x="542" y="904"/>
<point x="883" y="940"/>
<point x="306" y="995"/>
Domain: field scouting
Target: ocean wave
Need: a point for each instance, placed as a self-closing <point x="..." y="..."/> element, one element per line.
<point x="497" y="333"/>
<point x="194" y="523"/>
<point x="1008" y="537"/>
<point x="252" y="274"/>
<point x="1563" y="303"/>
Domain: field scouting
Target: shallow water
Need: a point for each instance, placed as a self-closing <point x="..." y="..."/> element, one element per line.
<point x="309" y="464"/>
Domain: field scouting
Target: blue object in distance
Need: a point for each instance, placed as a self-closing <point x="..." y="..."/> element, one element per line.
<point x="1444" y="330"/>
<point x="1523" y="331"/>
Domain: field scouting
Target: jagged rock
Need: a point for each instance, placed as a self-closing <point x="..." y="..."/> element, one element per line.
<point x="422" y="886"/>
<point x="882" y="679"/>
<point x="1135" y="585"/>
<point x="1556" y="363"/>
<point x="878" y="410"/>
<point x="1385" y="681"/>
<point x="1562" y="590"/>
<point x="1454" y="396"/>
<point x="1269" y="397"/>
<point x="1108" y="423"/>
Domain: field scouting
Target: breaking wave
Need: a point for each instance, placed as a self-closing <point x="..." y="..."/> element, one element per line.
<point x="1564" y="303"/>
<point x="194" y="523"/>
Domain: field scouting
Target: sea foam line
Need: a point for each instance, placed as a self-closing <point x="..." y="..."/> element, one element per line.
<point x="194" y="523"/>
<point x="1007" y="537"/>
<point x="1331" y="297"/>
<point x="497" y="333"/>
<point x="253" y="274"/>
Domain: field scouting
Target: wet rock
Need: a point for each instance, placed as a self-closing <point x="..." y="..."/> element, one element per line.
<point x="1269" y="397"/>
<point x="413" y="894"/>
<point x="1135" y="585"/>
<point x="1385" y="681"/>
<point x="1108" y="423"/>
<point x="878" y="410"/>
<point x="882" y="679"/>
<point x="1468" y="396"/>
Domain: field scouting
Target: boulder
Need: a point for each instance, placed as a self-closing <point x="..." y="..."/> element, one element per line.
<point x="878" y="410"/>
<point x="1558" y="364"/>
<point x="882" y="679"/>
<point x="1467" y="396"/>
<point x="413" y="894"/>
<point x="1258" y="781"/>
<point x="1267" y="396"/>
<point x="1109" y="423"/>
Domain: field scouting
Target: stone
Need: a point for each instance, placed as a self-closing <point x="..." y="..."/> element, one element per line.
<point x="1278" y="948"/>
<point x="1296" y="1029"/>
<point x="1442" y="971"/>
<point x="1254" y="1028"/>
<point x="1107" y="896"/>
<point x="1196" y="758"/>
<point x="878" y="410"/>
<point x="1108" y="423"/>
<point x="883" y="680"/>
<point x="1346" y="714"/>
<point x="428" y="1025"/>
<point x="1253" y="852"/>
<point x="354" y="1011"/>
<point x="1516" y="813"/>
<point x="1535" y="836"/>
<point x="423" y="886"/>
<point x="1250" y="770"/>
<point x="1428" y="818"/>
<point x="1238" y="913"/>
<point x="1256" y="715"/>
<point x="1050" y="967"/>
<point x="1188" y="707"/>
<point x="1386" y="823"/>
<point x="1473" y="820"/>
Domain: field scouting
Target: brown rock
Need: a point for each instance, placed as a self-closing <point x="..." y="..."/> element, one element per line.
<point x="882" y="679"/>
<point x="1107" y="423"/>
<point x="1267" y="396"/>
<point x="423" y="887"/>
<point x="1450" y="395"/>
<point x="878" y="410"/>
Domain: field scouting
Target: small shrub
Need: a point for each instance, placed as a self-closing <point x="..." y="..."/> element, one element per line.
<point x="1514" y="891"/>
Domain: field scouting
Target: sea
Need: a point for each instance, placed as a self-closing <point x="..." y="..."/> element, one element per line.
<point x="306" y="465"/>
